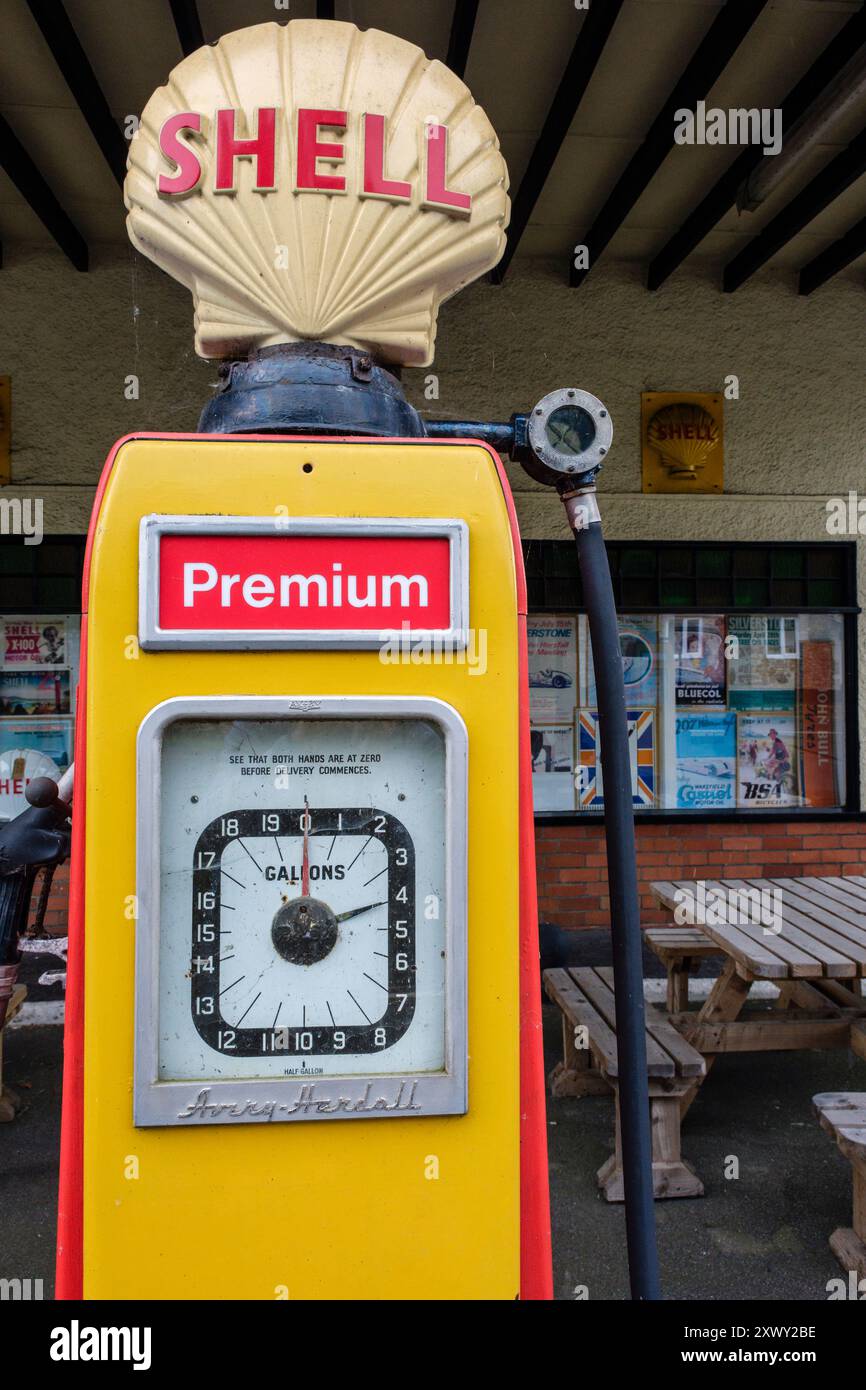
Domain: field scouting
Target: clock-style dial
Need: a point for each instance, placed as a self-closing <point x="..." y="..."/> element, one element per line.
<point x="303" y="901"/>
<point x="328" y="966"/>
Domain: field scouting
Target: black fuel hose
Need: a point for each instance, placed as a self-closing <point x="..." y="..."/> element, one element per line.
<point x="624" y="905"/>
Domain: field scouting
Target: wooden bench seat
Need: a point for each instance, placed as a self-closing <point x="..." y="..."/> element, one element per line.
<point x="843" y="1115"/>
<point x="590" y="1066"/>
<point x="680" y="950"/>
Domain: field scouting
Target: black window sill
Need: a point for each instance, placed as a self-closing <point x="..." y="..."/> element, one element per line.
<point x="672" y="817"/>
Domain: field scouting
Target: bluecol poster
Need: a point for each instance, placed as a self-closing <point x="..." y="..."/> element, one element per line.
<point x="706" y="760"/>
<point x="700" y="658"/>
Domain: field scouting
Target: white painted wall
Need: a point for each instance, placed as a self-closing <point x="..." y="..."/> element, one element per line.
<point x="796" y="435"/>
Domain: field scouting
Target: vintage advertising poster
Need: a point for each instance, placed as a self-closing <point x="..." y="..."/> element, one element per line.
<point x="817" y="734"/>
<point x="552" y="748"/>
<point x="638" y="641"/>
<point x="762" y="668"/>
<point x="706" y="746"/>
<point x="34" y="692"/>
<point x="30" y="748"/>
<point x="641" y="739"/>
<point x="767" y="760"/>
<point x="33" y="642"/>
<point x="700" y="661"/>
<point x="552" y="647"/>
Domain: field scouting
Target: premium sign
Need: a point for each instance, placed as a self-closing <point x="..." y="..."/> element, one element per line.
<point x="228" y="581"/>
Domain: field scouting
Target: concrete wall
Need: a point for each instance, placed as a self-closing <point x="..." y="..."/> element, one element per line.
<point x="795" y="436"/>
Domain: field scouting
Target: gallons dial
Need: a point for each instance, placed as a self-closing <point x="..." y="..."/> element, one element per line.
<point x="303" y="899"/>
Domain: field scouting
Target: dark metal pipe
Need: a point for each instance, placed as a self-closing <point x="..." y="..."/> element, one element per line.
<point x="624" y="902"/>
<point x="499" y="435"/>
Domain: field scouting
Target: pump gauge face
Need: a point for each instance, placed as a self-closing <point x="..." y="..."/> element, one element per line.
<point x="304" y="925"/>
<point x="317" y="959"/>
<point x="569" y="431"/>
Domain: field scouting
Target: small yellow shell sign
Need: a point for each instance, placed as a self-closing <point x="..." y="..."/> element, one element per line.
<point x="682" y="437"/>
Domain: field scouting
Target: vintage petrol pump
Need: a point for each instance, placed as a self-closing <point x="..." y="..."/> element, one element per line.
<point x="303" y="1049"/>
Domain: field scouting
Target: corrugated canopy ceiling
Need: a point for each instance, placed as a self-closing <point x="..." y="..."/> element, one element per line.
<point x="582" y="99"/>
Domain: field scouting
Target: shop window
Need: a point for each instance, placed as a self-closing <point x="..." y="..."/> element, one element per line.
<point x="738" y="676"/>
<point x="40" y="606"/>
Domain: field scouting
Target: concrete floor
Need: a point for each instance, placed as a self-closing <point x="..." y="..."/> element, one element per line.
<point x="763" y="1236"/>
<point x="28" y="1156"/>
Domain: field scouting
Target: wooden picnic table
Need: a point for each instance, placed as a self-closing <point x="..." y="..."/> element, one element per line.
<point x="805" y="935"/>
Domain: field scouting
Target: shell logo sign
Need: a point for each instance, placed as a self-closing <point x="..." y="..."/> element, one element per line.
<point x="309" y="149"/>
<point x="313" y="181"/>
<point x="682" y="441"/>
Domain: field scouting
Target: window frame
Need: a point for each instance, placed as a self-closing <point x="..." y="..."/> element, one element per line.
<point x="849" y="611"/>
<point x="76" y="539"/>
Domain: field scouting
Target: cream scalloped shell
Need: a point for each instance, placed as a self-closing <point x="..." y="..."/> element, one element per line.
<point x="359" y="271"/>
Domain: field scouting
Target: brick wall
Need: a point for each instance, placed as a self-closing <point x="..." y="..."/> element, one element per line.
<point x="572" y="863"/>
<point x="57" y="911"/>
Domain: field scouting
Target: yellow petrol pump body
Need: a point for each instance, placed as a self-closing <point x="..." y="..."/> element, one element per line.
<point x="340" y="1203"/>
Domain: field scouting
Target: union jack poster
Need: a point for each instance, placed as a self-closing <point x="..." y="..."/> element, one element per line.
<point x="641" y="739"/>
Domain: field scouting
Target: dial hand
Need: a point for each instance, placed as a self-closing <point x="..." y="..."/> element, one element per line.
<point x="354" y="911"/>
<point x="305" y="867"/>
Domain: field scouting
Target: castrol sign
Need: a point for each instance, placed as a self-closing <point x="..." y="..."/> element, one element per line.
<point x="314" y="181"/>
<point x="244" y="582"/>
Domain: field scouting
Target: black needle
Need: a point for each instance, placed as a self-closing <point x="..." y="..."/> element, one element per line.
<point x="353" y="912"/>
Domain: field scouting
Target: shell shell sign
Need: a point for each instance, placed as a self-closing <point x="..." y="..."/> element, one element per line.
<point x="312" y="181"/>
<point x="682" y="442"/>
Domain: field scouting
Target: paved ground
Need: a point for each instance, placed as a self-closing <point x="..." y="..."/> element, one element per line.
<point x="763" y="1236"/>
<point x="28" y="1156"/>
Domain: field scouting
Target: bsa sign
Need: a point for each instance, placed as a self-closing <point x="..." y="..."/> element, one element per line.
<point x="313" y="181"/>
<point x="242" y="582"/>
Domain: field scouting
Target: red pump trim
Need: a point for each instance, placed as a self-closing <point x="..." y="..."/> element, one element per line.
<point x="70" y="1235"/>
